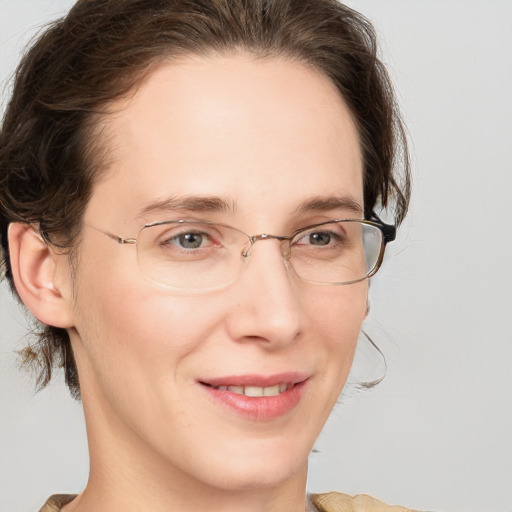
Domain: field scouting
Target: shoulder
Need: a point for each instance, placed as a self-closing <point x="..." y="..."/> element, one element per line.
<point x="56" y="502"/>
<point x="337" y="502"/>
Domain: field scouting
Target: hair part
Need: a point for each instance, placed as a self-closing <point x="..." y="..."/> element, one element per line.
<point x="50" y="149"/>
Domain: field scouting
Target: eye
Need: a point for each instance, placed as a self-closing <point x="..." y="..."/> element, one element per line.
<point x="320" y="238"/>
<point x="189" y="240"/>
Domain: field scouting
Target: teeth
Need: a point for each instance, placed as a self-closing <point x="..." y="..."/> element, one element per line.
<point x="255" y="391"/>
<point x="271" y="391"/>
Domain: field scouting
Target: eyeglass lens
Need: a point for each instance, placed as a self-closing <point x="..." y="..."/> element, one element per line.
<point x="201" y="255"/>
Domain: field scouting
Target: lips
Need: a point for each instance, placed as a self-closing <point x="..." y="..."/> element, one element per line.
<point x="258" y="397"/>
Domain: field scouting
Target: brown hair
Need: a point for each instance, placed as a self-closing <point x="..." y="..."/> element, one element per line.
<point x="100" y="51"/>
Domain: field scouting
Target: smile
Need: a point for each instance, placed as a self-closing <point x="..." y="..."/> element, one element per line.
<point x="257" y="397"/>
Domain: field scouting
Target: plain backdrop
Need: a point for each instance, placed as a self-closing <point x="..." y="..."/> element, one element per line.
<point x="437" y="433"/>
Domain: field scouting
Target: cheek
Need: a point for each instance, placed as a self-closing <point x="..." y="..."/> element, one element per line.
<point x="338" y="312"/>
<point x="138" y="353"/>
<point x="143" y="327"/>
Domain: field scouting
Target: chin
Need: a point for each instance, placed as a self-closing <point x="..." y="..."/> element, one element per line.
<point x="265" y="467"/>
<point x="264" y="477"/>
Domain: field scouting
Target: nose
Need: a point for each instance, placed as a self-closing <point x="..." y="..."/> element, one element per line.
<point x="267" y="306"/>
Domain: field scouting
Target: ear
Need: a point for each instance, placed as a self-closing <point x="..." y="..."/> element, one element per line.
<point x="42" y="277"/>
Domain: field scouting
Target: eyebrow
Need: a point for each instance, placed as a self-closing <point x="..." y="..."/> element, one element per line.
<point x="215" y="204"/>
<point x="328" y="203"/>
<point x="195" y="203"/>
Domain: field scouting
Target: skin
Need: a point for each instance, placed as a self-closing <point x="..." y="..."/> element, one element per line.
<point x="265" y="135"/>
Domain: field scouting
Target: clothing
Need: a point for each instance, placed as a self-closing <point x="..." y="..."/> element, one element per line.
<point x="56" y="502"/>
<point x="337" y="502"/>
<point x="329" y="502"/>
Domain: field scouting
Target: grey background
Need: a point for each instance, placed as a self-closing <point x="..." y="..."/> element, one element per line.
<point x="437" y="433"/>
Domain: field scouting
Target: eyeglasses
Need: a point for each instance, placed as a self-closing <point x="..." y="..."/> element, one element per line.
<point x="201" y="255"/>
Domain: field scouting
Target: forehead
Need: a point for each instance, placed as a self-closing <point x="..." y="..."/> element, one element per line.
<point x="251" y="131"/>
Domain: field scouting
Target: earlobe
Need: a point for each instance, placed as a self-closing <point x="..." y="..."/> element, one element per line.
<point x="34" y="269"/>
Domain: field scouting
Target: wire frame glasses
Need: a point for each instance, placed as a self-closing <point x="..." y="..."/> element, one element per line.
<point x="201" y="255"/>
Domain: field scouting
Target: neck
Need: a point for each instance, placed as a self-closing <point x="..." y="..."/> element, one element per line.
<point x="135" y="489"/>
<point x="125" y="474"/>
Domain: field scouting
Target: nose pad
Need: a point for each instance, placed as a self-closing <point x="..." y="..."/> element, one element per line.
<point x="286" y="252"/>
<point x="246" y="251"/>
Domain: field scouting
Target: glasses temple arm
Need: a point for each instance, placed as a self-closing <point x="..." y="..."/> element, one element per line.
<point x="388" y="230"/>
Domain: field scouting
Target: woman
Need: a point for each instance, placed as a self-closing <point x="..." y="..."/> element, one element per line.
<point x="188" y="198"/>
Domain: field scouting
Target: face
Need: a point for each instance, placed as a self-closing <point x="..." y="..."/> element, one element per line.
<point x="263" y="138"/>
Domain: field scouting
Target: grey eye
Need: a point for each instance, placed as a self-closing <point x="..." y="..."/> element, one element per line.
<point x="189" y="240"/>
<point x="320" y="238"/>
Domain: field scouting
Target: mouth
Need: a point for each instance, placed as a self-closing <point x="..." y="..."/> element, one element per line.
<point x="256" y="397"/>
